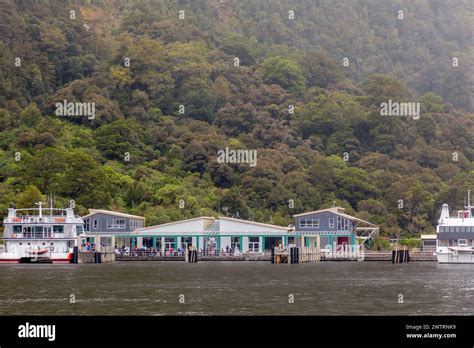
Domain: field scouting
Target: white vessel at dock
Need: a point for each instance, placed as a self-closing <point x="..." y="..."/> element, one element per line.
<point x="455" y="235"/>
<point x="40" y="235"/>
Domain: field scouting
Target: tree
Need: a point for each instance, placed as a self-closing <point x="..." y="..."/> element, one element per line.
<point x="283" y="72"/>
<point x="31" y="115"/>
<point x="29" y="196"/>
<point x="84" y="180"/>
<point x="320" y="70"/>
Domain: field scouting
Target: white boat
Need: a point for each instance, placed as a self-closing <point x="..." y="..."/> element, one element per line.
<point x="455" y="235"/>
<point x="40" y="235"/>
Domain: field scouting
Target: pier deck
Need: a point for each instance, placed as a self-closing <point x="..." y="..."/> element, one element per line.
<point x="367" y="256"/>
<point x="387" y="256"/>
<point x="200" y="258"/>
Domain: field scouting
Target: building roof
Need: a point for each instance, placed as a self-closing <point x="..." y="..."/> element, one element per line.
<point x="339" y="211"/>
<point x="115" y="213"/>
<point x="210" y="218"/>
<point x="107" y="234"/>
<point x="212" y="226"/>
<point x="335" y="210"/>
<point x="283" y="228"/>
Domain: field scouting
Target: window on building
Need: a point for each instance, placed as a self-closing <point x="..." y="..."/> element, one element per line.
<point x="169" y="243"/>
<point x="339" y="223"/>
<point x="79" y="229"/>
<point x="186" y="242"/>
<point x="87" y="225"/>
<point x="346" y="224"/>
<point x="254" y="244"/>
<point x="235" y="243"/>
<point x="331" y="222"/>
<point x="115" y="223"/>
<point x="95" y="224"/>
<point x="306" y="222"/>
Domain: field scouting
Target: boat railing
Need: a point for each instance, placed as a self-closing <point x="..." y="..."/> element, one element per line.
<point x="44" y="219"/>
<point x="37" y="235"/>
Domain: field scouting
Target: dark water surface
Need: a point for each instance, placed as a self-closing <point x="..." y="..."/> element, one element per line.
<point x="237" y="288"/>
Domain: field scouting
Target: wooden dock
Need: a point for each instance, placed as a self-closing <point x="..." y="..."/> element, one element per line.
<point x="387" y="256"/>
<point x="295" y="254"/>
<point x="246" y="257"/>
<point x="306" y="255"/>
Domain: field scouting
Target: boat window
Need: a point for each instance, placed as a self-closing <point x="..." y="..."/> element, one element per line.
<point x="16" y="229"/>
<point x="79" y="228"/>
<point x="58" y="229"/>
<point x="27" y="232"/>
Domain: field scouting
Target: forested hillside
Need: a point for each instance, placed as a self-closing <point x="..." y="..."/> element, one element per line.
<point x="173" y="88"/>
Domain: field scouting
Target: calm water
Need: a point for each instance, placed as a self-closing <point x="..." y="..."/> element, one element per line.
<point x="239" y="288"/>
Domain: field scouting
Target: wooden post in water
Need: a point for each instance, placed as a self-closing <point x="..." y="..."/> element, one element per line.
<point x="400" y="255"/>
<point x="190" y="255"/>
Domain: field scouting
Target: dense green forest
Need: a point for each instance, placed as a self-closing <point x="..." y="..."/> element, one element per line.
<point x="304" y="91"/>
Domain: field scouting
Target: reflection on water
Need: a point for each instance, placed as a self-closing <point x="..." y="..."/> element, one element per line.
<point x="237" y="288"/>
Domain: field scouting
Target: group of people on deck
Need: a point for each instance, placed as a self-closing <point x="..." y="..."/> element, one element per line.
<point x="135" y="251"/>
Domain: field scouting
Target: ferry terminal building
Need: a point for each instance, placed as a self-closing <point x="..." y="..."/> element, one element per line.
<point x="327" y="228"/>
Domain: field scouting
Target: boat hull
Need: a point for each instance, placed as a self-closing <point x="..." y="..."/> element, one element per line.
<point x="12" y="258"/>
<point x="446" y="256"/>
<point x="17" y="261"/>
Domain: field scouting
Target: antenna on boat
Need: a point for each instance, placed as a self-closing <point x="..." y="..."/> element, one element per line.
<point x="469" y="208"/>
<point x="51" y="205"/>
<point x="39" y="204"/>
